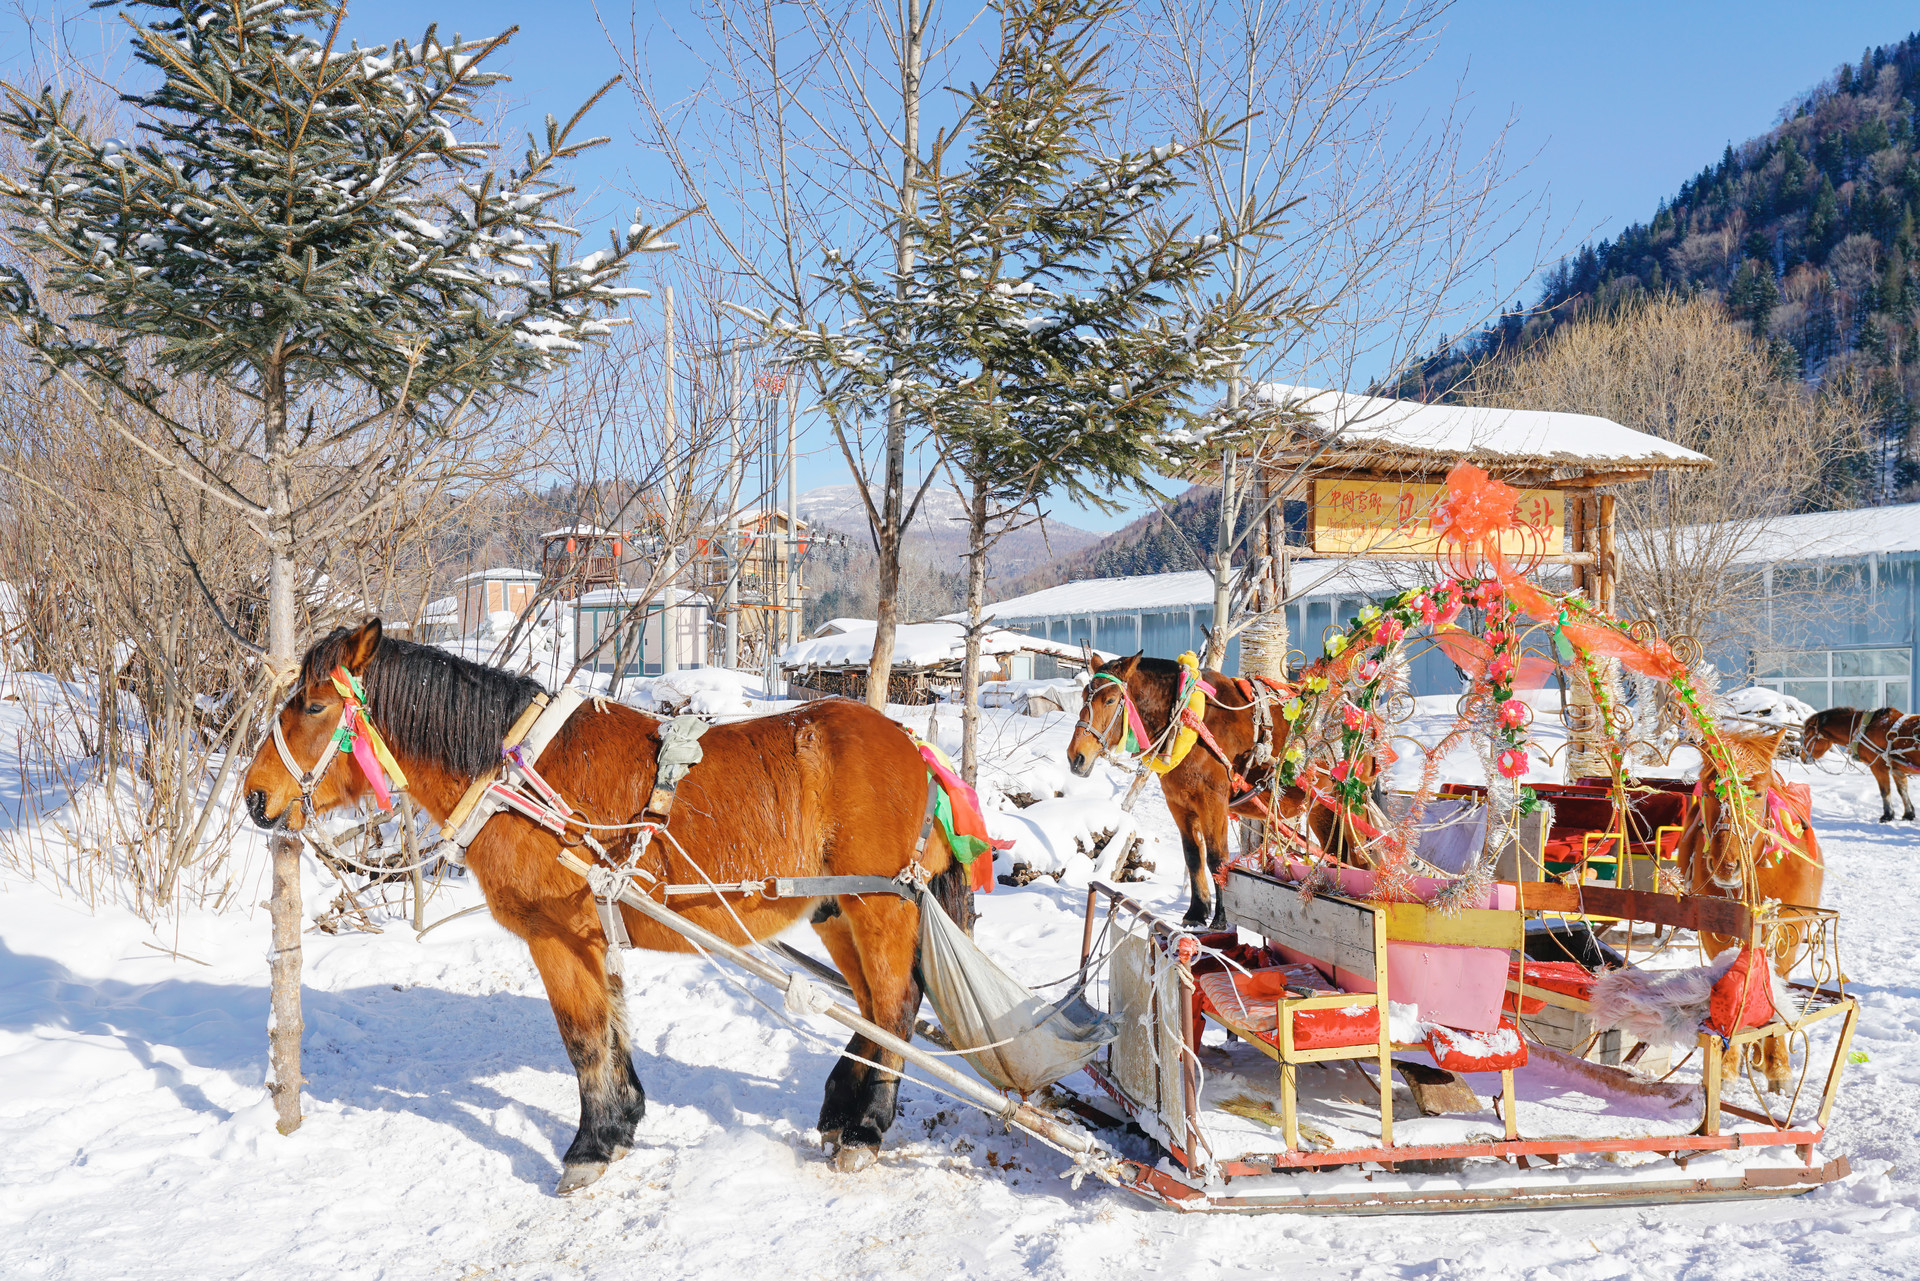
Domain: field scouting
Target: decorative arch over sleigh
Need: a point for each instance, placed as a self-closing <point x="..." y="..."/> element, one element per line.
<point x="1509" y="635"/>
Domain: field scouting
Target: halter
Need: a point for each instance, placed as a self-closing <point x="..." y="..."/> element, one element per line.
<point x="353" y="735"/>
<point x="1126" y="715"/>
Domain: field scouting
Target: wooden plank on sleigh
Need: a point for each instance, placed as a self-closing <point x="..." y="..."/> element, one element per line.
<point x="1687" y="912"/>
<point x="1327" y="928"/>
<point x="1469" y="927"/>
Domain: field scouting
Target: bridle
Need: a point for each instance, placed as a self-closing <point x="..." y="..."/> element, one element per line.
<point x="1118" y="720"/>
<point x="346" y="732"/>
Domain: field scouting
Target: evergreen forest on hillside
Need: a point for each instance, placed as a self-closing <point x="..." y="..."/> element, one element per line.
<point x="1806" y="233"/>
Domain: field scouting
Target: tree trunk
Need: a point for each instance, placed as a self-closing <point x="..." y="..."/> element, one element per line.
<point x="976" y="611"/>
<point x="888" y="538"/>
<point x="1264" y="643"/>
<point x="285" y="1026"/>
<point x="1216" y="654"/>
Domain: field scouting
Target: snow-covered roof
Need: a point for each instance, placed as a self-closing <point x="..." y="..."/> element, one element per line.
<point x="914" y="645"/>
<point x="1530" y="438"/>
<point x="1836" y="535"/>
<point x="580" y="531"/>
<point x="624" y="595"/>
<point x="1313" y="579"/>
<point x="501" y="573"/>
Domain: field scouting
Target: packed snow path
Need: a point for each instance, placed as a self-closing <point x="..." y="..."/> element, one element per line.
<point x="136" y="1139"/>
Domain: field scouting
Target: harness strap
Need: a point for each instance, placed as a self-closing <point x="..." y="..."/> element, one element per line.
<point x="537" y="726"/>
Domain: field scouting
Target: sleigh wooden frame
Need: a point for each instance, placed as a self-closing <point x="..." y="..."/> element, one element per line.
<point x="1755" y="1155"/>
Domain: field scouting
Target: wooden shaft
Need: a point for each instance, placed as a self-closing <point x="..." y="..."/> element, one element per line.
<point x="1033" y="1121"/>
<point x="1189" y="1096"/>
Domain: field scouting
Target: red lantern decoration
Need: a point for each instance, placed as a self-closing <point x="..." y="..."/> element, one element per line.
<point x="570" y="547"/>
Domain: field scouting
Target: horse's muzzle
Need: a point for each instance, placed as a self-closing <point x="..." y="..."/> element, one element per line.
<point x="1081" y="763"/>
<point x="257" y="811"/>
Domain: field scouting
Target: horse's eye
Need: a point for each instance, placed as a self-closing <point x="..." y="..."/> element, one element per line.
<point x="314" y="709"/>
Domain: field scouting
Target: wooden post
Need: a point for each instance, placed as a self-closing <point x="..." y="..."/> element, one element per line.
<point x="287" y="1026"/>
<point x="416" y="877"/>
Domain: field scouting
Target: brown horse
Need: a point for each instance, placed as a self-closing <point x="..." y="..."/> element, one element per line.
<point x="1886" y="741"/>
<point x="1200" y="793"/>
<point x="1753" y="860"/>
<point x="833" y="789"/>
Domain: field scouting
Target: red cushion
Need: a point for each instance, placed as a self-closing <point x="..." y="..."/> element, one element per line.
<point x="1494" y="1051"/>
<point x="1251" y="1003"/>
<point x="1569" y="978"/>
<point x="1743" y="997"/>
<point x="1342" y="1025"/>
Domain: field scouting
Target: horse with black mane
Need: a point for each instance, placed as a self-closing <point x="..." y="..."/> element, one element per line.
<point x="1225" y="777"/>
<point x="1886" y="741"/>
<point x="833" y="789"/>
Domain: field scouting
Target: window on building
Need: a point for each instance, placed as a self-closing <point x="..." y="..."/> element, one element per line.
<point x="1821" y="678"/>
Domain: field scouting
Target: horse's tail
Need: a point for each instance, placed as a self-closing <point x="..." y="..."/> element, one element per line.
<point x="952" y="891"/>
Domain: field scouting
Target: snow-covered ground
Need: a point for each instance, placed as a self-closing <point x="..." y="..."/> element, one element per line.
<point x="136" y="1140"/>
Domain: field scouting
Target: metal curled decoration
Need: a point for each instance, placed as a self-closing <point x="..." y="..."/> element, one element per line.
<point x="1400" y="708"/>
<point x="1619" y="720"/>
<point x="1641" y="630"/>
<point x="1687" y="649"/>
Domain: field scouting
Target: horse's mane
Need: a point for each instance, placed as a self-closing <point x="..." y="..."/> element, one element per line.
<point x="1156" y="698"/>
<point x="430" y="704"/>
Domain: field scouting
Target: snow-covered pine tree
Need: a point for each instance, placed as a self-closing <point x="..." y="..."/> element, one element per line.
<point x="297" y="216"/>
<point x="1054" y="320"/>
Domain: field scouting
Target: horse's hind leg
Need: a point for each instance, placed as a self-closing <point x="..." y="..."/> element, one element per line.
<point x="589" y="1006"/>
<point x="1882" y="776"/>
<point x="1906" y="802"/>
<point x="873" y="941"/>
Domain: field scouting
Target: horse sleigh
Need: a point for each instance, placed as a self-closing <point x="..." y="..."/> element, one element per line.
<point x="585" y="829"/>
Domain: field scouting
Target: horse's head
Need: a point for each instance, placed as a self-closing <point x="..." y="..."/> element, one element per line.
<point x="1103" y="715"/>
<point x="1734" y="824"/>
<point x="300" y="758"/>
<point x="1831" y="728"/>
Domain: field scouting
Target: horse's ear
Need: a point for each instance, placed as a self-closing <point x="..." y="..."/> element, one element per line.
<point x="359" y="648"/>
<point x="1131" y="663"/>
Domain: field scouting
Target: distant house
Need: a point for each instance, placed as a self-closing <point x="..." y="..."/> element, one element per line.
<point x="488" y="591"/>
<point x="1844" y="595"/>
<point x="928" y="659"/>
<point x="1165" y="615"/>
<point x="611" y="637"/>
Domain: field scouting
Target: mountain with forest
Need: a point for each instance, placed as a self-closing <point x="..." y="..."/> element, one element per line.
<point x="1809" y="234"/>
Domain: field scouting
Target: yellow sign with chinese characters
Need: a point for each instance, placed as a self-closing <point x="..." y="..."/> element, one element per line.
<point x="1360" y="517"/>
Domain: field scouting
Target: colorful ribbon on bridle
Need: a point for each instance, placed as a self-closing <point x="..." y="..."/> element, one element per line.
<point x="357" y="737"/>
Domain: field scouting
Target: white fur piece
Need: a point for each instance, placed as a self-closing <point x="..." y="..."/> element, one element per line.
<point x="1667" y="1007"/>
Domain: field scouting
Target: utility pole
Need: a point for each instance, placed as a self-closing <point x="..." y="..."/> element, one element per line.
<point x="792" y="628"/>
<point x="730" y="539"/>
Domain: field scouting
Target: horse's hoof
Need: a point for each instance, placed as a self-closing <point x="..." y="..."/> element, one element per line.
<point x="852" y="1160"/>
<point x="575" y="1177"/>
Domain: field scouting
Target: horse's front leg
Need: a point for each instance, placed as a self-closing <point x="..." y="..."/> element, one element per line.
<point x="874" y="941"/>
<point x="1906" y="802"/>
<point x="590" y="1007"/>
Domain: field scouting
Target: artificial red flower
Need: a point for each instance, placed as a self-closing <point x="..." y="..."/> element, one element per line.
<point x="1500" y="668"/>
<point x="1369" y="669"/>
<point x="1390" y="630"/>
<point x="1341" y="769"/>
<point x="1513" y="762"/>
<point x="1352" y="717"/>
<point x="1513" y="713"/>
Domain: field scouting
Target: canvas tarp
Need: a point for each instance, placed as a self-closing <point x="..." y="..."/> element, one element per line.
<point x="1013" y="1038"/>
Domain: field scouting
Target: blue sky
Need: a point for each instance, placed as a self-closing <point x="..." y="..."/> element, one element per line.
<point x="1617" y="102"/>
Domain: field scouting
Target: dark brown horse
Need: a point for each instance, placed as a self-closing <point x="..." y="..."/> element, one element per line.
<point x="1886" y="741"/>
<point x="1200" y="793"/>
<point x="834" y="789"/>
<point x="1754" y="857"/>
